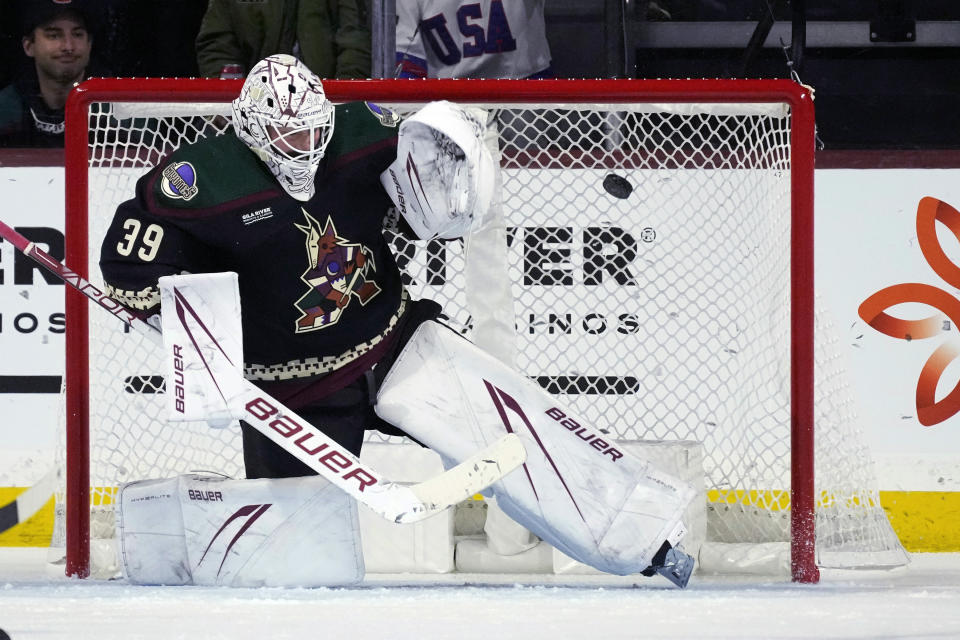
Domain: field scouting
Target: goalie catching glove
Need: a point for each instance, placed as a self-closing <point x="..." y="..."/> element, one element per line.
<point x="442" y="180"/>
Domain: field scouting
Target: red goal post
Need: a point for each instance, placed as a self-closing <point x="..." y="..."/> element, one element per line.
<point x="562" y="94"/>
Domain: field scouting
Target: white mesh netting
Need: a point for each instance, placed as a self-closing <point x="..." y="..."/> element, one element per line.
<point x="662" y="315"/>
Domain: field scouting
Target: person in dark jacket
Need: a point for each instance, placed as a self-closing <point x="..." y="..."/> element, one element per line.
<point x="330" y="36"/>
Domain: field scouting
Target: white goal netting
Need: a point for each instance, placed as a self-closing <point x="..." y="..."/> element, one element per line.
<point x="662" y="313"/>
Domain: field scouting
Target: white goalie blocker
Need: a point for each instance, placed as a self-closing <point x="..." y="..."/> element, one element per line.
<point x="443" y="178"/>
<point x="291" y="532"/>
<point x="597" y="504"/>
<point x="201" y="314"/>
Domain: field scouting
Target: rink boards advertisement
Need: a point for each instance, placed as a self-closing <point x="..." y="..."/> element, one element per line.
<point x="889" y="238"/>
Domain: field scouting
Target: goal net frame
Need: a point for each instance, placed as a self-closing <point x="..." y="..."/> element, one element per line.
<point x="797" y="98"/>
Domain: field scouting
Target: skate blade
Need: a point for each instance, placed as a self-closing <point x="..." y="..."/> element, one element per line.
<point x="677" y="567"/>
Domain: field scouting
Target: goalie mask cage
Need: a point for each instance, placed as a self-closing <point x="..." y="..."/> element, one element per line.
<point x="673" y="300"/>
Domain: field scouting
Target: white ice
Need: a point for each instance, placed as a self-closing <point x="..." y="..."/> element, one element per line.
<point x="921" y="600"/>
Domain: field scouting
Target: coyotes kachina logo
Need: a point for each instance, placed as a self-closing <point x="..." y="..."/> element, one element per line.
<point x="873" y="310"/>
<point x="336" y="274"/>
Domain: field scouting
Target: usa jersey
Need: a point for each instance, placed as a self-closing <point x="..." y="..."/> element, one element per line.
<point x="485" y="39"/>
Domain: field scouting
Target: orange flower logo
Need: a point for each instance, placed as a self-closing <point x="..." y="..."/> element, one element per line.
<point x="873" y="310"/>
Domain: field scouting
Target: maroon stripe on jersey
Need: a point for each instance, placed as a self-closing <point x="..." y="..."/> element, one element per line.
<point x="154" y="206"/>
<point x="298" y="394"/>
<point x="368" y="150"/>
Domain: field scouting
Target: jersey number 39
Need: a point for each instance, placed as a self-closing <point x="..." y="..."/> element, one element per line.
<point x="148" y="242"/>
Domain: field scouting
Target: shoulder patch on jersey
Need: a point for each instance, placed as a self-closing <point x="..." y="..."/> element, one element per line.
<point x="387" y="117"/>
<point x="179" y="181"/>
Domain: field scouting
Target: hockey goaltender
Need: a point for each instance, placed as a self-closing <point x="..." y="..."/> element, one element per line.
<point x="294" y="201"/>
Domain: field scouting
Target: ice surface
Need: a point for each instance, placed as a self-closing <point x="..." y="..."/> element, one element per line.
<point x="921" y="600"/>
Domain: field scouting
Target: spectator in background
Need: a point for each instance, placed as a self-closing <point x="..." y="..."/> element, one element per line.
<point x="330" y="36"/>
<point x="57" y="38"/>
<point x="486" y="39"/>
<point x="150" y="39"/>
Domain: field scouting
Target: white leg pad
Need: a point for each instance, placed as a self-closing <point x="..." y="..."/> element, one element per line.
<point x="680" y="458"/>
<point x="577" y="491"/>
<point x="290" y="532"/>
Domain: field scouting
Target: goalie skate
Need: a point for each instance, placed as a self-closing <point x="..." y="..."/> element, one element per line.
<point x="673" y="564"/>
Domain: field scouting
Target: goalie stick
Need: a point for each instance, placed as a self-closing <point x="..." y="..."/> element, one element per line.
<point x="390" y="500"/>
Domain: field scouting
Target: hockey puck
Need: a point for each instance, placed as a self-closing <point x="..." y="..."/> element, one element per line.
<point x="617" y="186"/>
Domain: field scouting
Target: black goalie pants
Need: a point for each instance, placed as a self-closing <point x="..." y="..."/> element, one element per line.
<point x="344" y="415"/>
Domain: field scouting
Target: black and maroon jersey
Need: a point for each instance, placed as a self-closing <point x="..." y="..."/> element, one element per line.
<point x="319" y="286"/>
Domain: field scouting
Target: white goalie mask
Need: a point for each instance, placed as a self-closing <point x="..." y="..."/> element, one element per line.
<point x="284" y="116"/>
